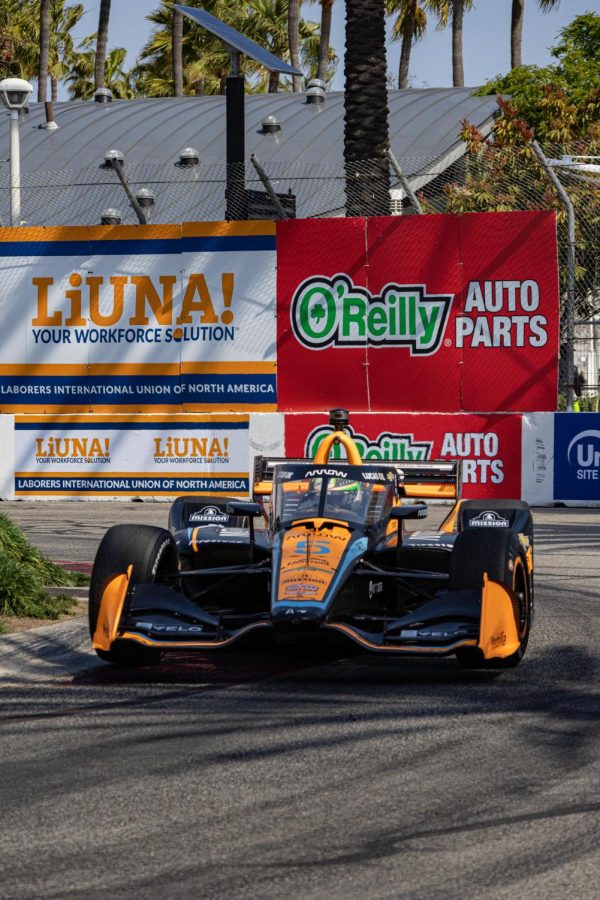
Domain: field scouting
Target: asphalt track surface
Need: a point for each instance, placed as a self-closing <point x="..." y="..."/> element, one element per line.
<point x="290" y="776"/>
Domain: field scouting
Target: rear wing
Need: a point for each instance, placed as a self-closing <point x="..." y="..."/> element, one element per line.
<point x="437" y="479"/>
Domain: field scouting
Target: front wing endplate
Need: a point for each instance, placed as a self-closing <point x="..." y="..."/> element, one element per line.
<point x="498" y="635"/>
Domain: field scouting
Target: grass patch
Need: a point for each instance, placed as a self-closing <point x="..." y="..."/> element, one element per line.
<point x="24" y="575"/>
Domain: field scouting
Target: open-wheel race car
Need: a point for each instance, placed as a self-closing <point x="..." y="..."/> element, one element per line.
<point x="322" y="551"/>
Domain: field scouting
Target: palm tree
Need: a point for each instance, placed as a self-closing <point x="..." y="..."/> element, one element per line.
<point x="44" y="49"/>
<point x="294" y="42"/>
<point x="61" y="53"/>
<point x="19" y="38"/>
<point x="366" y="132"/>
<point x="324" y="45"/>
<point x="82" y="77"/>
<point x="410" y="27"/>
<point x="453" y="10"/>
<point x="177" y="51"/>
<point x="516" y="28"/>
<point x="101" y="43"/>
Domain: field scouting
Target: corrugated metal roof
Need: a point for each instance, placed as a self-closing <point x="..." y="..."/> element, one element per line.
<point x="424" y="129"/>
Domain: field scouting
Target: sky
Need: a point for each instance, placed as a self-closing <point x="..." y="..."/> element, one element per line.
<point x="486" y="38"/>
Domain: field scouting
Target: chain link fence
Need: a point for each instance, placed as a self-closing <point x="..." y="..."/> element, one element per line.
<point x="489" y="179"/>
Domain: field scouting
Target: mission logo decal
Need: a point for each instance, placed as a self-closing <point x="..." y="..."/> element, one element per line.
<point x="334" y="312"/>
<point x="489" y="519"/>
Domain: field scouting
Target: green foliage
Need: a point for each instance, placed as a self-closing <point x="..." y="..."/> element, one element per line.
<point x="24" y="575"/>
<point x="562" y="101"/>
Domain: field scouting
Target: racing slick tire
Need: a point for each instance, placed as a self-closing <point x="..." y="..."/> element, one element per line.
<point x="498" y="553"/>
<point x="153" y="554"/>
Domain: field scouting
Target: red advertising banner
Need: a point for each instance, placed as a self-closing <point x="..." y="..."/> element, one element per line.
<point x="436" y="313"/>
<point x="489" y="446"/>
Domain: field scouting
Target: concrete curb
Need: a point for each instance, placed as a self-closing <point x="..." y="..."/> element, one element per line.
<point x="51" y="652"/>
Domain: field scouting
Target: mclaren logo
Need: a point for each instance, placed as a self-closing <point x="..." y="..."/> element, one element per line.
<point x="489" y="519"/>
<point x="334" y="312"/>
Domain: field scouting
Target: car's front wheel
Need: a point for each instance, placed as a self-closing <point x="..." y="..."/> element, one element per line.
<point x="152" y="554"/>
<point x="499" y="553"/>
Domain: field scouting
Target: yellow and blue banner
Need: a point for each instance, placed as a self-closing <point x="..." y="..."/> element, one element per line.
<point x="134" y="455"/>
<point x="152" y="318"/>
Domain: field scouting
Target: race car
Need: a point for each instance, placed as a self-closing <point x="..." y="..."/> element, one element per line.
<point x="321" y="551"/>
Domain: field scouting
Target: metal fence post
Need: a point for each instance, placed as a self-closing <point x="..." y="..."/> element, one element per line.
<point x="405" y="183"/>
<point x="570" y="305"/>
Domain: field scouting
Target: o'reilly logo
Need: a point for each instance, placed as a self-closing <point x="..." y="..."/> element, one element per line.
<point x="334" y="312"/>
<point x="386" y="446"/>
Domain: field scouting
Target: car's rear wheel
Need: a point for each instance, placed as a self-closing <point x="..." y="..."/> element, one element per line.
<point x="153" y="556"/>
<point x="498" y="553"/>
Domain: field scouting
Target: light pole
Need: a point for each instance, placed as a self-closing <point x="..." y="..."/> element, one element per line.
<point x="14" y="93"/>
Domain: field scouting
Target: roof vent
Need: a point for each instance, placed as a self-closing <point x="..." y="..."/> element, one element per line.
<point x="188" y="157"/>
<point x="111" y="216"/>
<point x="113" y="156"/>
<point x="103" y="95"/>
<point x="315" y="91"/>
<point x="270" y="125"/>
<point x="145" y="197"/>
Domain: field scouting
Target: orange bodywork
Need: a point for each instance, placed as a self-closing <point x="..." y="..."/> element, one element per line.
<point x="111" y="607"/>
<point x="310" y="559"/>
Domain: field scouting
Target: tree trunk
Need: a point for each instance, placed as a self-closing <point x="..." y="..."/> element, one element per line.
<point x="294" y="42"/>
<point x="458" y="74"/>
<point x="44" y="49"/>
<point x="366" y="130"/>
<point x="199" y="87"/>
<point x="177" y="51"/>
<point x="273" y="82"/>
<point x="407" y="40"/>
<point x="326" y="13"/>
<point x="516" y="33"/>
<point x="54" y="89"/>
<point x="101" y="43"/>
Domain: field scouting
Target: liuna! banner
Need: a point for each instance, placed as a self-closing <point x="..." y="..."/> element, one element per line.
<point x="489" y="446"/>
<point x="148" y="318"/>
<point x="131" y="456"/>
<point x="439" y="313"/>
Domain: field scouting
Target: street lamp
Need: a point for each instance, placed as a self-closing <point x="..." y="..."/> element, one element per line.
<point x="14" y="93"/>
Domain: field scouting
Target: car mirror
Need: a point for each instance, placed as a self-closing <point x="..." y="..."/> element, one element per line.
<point x="409" y="511"/>
<point x="244" y="508"/>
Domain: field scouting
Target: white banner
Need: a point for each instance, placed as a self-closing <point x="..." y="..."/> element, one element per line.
<point x="147" y="318"/>
<point x="131" y="456"/>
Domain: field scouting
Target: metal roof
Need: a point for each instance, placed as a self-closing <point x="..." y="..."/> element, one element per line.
<point x="56" y="165"/>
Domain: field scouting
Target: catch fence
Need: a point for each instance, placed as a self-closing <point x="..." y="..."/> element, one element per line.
<point x="490" y="179"/>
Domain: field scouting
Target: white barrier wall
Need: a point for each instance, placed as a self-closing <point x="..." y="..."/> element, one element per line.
<point x="7" y="457"/>
<point x="560" y="455"/>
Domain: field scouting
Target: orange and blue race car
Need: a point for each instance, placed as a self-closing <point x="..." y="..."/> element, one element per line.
<point x="321" y="551"/>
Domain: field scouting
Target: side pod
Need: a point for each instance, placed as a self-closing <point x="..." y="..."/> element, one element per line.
<point x="111" y="607"/>
<point x="498" y="635"/>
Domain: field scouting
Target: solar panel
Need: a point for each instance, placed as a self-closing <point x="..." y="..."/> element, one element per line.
<point x="238" y="41"/>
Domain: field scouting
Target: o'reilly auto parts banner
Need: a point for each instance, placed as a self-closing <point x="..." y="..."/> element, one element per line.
<point x="93" y="456"/>
<point x="437" y="313"/>
<point x="150" y="318"/>
<point x="489" y="446"/>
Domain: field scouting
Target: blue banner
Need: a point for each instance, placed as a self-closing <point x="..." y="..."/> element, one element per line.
<point x="577" y="456"/>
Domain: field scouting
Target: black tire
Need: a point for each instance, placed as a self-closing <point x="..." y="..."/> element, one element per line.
<point x="153" y="554"/>
<point x="498" y="553"/>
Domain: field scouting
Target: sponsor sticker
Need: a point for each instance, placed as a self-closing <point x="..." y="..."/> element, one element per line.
<point x="577" y="456"/>
<point x="489" y="519"/>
